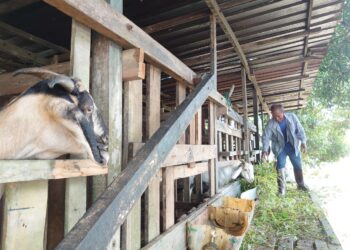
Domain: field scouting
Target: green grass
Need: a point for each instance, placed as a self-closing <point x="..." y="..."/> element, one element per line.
<point x="276" y="217"/>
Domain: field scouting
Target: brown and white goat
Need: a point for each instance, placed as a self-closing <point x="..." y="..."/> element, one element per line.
<point x="54" y="117"/>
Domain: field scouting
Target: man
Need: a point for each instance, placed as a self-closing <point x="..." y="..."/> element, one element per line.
<point x="285" y="132"/>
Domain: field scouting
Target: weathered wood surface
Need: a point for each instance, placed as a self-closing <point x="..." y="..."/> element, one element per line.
<point x="168" y="198"/>
<point x="118" y="28"/>
<point x="152" y="194"/>
<point x="31" y="170"/>
<point x="183" y="171"/>
<point x="246" y="134"/>
<point x="132" y="127"/>
<point x="133" y="66"/>
<point x="25" y="216"/>
<point x="76" y="194"/>
<point x="110" y="210"/>
<point x="175" y="237"/>
<point x="133" y="69"/>
<point x="225" y="128"/>
<point x="286" y="243"/>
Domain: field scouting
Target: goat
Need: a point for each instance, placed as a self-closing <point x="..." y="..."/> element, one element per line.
<point x="54" y="117"/>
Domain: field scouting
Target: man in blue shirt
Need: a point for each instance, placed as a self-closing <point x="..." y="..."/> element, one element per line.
<point x="286" y="134"/>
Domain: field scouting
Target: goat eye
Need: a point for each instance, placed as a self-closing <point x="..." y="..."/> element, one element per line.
<point x="89" y="110"/>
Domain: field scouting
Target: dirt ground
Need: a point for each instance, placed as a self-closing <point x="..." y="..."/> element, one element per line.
<point x="331" y="183"/>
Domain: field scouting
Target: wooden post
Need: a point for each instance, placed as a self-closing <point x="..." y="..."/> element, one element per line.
<point x="212" y="171"/>
<point x="168" y="210"/>
<point x="24" y="219"/>
<point x="256" y="122"/>
<point x="152" y="194"/>
<point x="246" y="137"/>
<point x="132" y="127"/>
<point x="198" y="178"/>
<point x="180" y="97"/>
<point x="80" y="67"/>
<point x="107" y="90"/>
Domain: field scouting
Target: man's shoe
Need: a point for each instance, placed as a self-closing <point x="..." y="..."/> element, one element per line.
<point x="299" y="179"/>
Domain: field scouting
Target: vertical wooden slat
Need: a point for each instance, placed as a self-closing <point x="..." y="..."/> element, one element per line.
<point x="24" y="219"/>
<point x="168" y="210"/>
<point x="246" y="139"/>
<point x="180" y="97"/>
<point x="80" y="67"/>
<point x="212" y="134"/>
<point x="131" y="236"/>
<point x="256" y="122"/>
<point x="198" y="141"/>
<point x="212" y="171"/>
<point x="152" y="194"/>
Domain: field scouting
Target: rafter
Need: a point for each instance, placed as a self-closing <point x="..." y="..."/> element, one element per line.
<point x="225" y="26"/>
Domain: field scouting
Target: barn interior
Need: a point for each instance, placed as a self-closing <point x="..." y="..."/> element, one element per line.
<point x="278" y="44"/>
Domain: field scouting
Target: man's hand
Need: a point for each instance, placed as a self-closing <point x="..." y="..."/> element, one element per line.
<point x="264" y="156"/>
<point x="303" y="148"/>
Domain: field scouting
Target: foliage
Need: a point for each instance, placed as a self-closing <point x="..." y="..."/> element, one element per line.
<point x="332" y="86"/>
<point x="276" y="217"/>
<point x="326" y="116"/>
<point x="326" y="132"/>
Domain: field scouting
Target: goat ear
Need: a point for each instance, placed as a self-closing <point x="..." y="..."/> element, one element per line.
<point x="66" y="82"/>
<point x="38" y="72"/>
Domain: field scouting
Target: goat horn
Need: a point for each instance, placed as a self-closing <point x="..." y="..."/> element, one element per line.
<point x="38" y="72"/>
<point x="66" y="82"/>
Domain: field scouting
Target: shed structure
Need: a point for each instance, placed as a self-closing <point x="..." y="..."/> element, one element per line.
<point x="177" y="83"/>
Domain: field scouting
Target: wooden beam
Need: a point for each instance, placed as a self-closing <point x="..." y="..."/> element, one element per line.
<point x="256" y="123"/>
<point x="31" y="170"/>
<point x="283" y="80"/>
<point x="9" y="6"/>
<point x="183" y="171"/>
<point x="182" y="153"/>
<point x="152" y="194"/>
<point x="24" y="218"/>
<point x="10" y="85"/>
<point x="22" y="54"/>
<point x="225" y="26"/>
<point x="124" y="32"/>
<point x="110" y="211"/>
<point x="277" y="64"/>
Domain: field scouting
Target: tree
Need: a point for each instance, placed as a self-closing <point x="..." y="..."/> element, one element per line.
<point x="326" y="117"/>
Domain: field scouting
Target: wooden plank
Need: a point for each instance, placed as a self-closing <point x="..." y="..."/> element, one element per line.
<point x="124" y="32"/>
<point x="212" y="140"/>
<point x="14" y="85"/>
<point x="175" y="237"/>
<point x="256" y="123"/>
<point x="109" y="212"/>
<point x="80" y="67"/>
<point x="115" y="113"/>
<point x="22" y="54"/>
<point x="218" y="99"/>
<point x="213" y="46"/>
<point x="31" y="170"/>
<point x="168" y="197"/>
<point x="131" y="231"/>
<point x="152" y="194"/>
<point x="224" y="128"/>
<point x="180" y="97"/>
<point x="321" y="245"/>
<point x="133" y="65"/>
<point x="182" y="153"/>
<point x="183" y="171"/>
<point x="198" y="184"/>
<point x="245" y="115"/>
<point x="304" y="244"/>
<point x="25" y="215"/>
